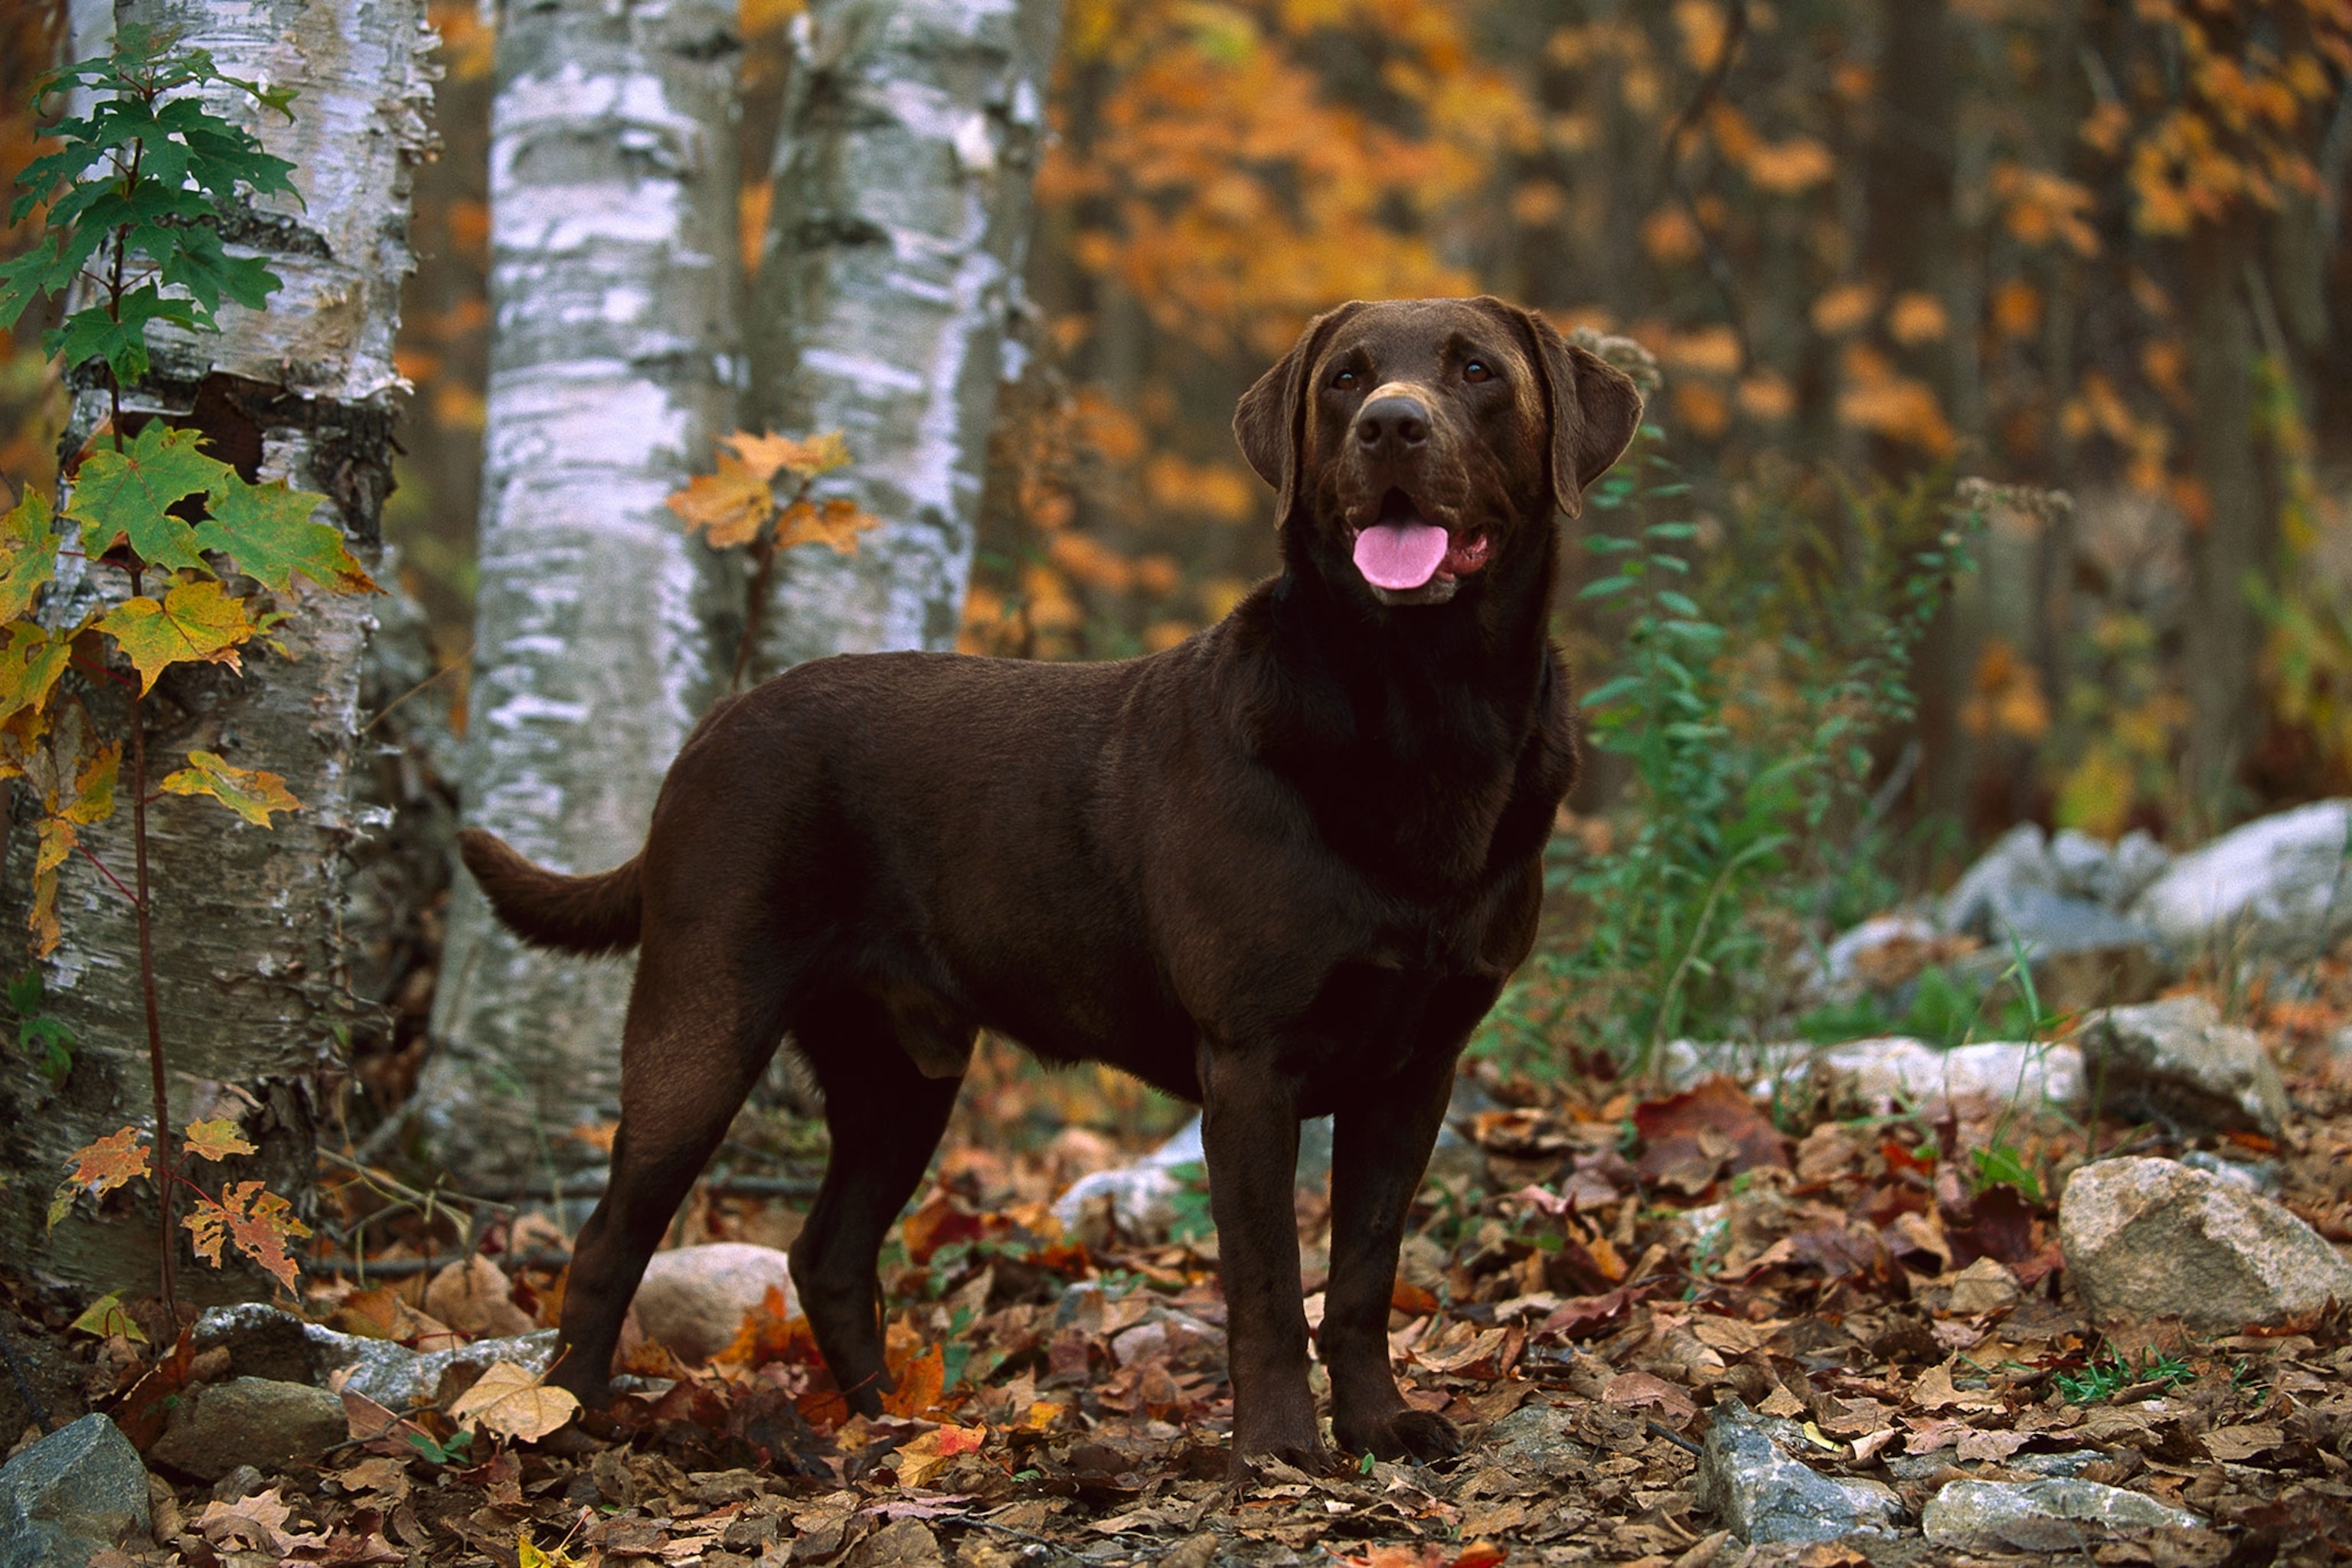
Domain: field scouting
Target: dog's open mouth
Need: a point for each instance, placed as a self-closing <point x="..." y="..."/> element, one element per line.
<point x="1402" y="551"/>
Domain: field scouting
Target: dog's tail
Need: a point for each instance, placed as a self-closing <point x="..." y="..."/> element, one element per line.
<point x="578" y="914"/>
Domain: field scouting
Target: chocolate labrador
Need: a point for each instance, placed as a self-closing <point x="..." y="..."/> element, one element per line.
<point x="1280" y="869"/>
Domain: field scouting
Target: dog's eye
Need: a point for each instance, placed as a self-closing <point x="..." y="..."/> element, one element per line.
<point x="1344" y="380"/>
<point x="1476" y="371"/>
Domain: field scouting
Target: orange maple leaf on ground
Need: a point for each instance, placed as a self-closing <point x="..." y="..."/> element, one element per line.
<point x="922" y="1382"/>
<point x="258" y="1220"/>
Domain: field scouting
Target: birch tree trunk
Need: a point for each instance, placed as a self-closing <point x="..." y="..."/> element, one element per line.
<point x="250" y="932"/>
<point x="612" y="293"/>
<point x="890" y="278"/>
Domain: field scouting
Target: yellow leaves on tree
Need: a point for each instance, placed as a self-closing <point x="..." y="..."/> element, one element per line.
<point x="72" y="776"/>
<point x="249" y="792"/>
<point x="257" y="1221"/>
<point x="192" y="623"/>
<point x="217" y="1140"/>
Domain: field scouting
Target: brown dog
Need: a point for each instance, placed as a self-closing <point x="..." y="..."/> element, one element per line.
<point x="1281" y="870"/>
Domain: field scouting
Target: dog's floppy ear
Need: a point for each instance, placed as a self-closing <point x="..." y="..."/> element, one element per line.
<point x="1271" y="423"/>
<point x="1595" y="409"/>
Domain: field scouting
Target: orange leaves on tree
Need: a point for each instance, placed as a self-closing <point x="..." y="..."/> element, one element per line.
<point x="249" y="792"/>
<point x="194" y="622"/>
<point x="258" y="1221"/>
<point x="734" y="505"/>
<point x="727" y="508"/>
<point x="98" y="1168"/>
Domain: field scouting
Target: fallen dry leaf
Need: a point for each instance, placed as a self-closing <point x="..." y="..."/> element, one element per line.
<point x="515" y="1405"/>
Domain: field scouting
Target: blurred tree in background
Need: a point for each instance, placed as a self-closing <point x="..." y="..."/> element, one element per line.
<point x="2090" y="244"/>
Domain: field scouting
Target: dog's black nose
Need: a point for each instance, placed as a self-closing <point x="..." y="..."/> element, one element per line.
<point x="1397" y="424"/>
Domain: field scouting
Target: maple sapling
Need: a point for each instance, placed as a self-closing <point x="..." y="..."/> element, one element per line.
<point x="134" y="197"/>
<point x="738" y="505"/>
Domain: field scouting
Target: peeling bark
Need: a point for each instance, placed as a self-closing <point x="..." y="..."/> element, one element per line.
<point x="890" y="285"/>
<point x="613" y="290"/>
<point x="249" y="923"/>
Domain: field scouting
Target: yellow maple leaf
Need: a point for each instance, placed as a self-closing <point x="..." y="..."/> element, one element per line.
<point x="727" y="508"/>
<point x="838" y="522"/>
<point x="217" y="1139"/>
<point x="249" y="792"/>
<point x="194" y="622"/>
<point x="258" y="1221"/>
<point x="100" y="1168"/>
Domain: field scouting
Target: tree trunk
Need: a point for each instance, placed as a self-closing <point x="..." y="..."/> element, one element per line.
<point x="251" y="946"/>
<point x="891" y="277"/>
<point x="613" y="295"/>
<point x="2234" y="538"/>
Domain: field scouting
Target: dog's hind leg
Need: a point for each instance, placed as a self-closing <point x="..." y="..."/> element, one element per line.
<point x="885" y="1115"/>
<point x="698" y="1034"/>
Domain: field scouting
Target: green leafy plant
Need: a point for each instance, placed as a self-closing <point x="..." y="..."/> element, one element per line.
<point x="133" y="200"/>
<point x="45" y="1040"/>
<point x="1746" y="817"/>
<point x="2105" y="1377"/>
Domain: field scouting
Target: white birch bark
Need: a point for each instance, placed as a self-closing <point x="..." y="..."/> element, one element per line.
<point x="613" y="292"/>
<point x="249" y="934"/>
<point x="890" y="284"/>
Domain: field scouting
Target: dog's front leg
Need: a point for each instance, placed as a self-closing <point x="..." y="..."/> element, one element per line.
<point x="1380" y="1148"/>
<point x="1249" y="1132"/>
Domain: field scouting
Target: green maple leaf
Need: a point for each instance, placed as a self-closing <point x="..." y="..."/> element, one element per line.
<point x="194" y="622"/>
<point x="30" y="663"/>
<point x="249" y="792"/>
<point x="267" y="529"/>
<point x="28" y="554"/>
<point x="131" y="493"/>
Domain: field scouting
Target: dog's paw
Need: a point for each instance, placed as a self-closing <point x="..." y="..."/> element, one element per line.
<point x="1422" y="1435"/>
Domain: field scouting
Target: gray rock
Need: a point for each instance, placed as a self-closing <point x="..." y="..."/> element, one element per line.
<point x="256" y="1421"/>
<point x="1536" y="1439"/>
<point x="2146" y="1239"/>
<point x="260" y="1340"/>
<point x="693" y="1298"/>
<point x="2177" y="1062"/>
<point x="2018" y="860"/>
<point x="76" y="1492"/>
<point x="1884" y="1075"/>
<point x="2280" y="887"/>
<point x="1142" y="1195"/>
<point x="1751" y="1480"/>
<point x="2081" y="954"/>
<point x="2056" y="1515"/>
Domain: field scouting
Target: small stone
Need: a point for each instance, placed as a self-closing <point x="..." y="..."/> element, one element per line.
<point x="2177" y="1062"/>
<point x="2056" y="1515"/>
<point x="77" y="1492"/>
<point x="1750" y="1479"/>
<point x="694" y="1298"/>
<point x="2147" y="1238"/>
<point x="255" y="1421"/>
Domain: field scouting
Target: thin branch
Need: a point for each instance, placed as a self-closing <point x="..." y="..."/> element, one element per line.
<point x="108" y="875"/>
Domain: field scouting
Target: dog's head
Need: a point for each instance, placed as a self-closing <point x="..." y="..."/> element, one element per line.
<point x="1417" y="444"/>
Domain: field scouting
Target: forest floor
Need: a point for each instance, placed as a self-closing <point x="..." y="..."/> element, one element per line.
<point x="1579" y="1300"/>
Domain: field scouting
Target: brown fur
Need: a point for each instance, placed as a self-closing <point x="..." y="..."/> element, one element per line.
<point x="1281" y="870"/>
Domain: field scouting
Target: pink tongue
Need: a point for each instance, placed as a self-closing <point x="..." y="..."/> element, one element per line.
<point x="1400" y="556"/>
